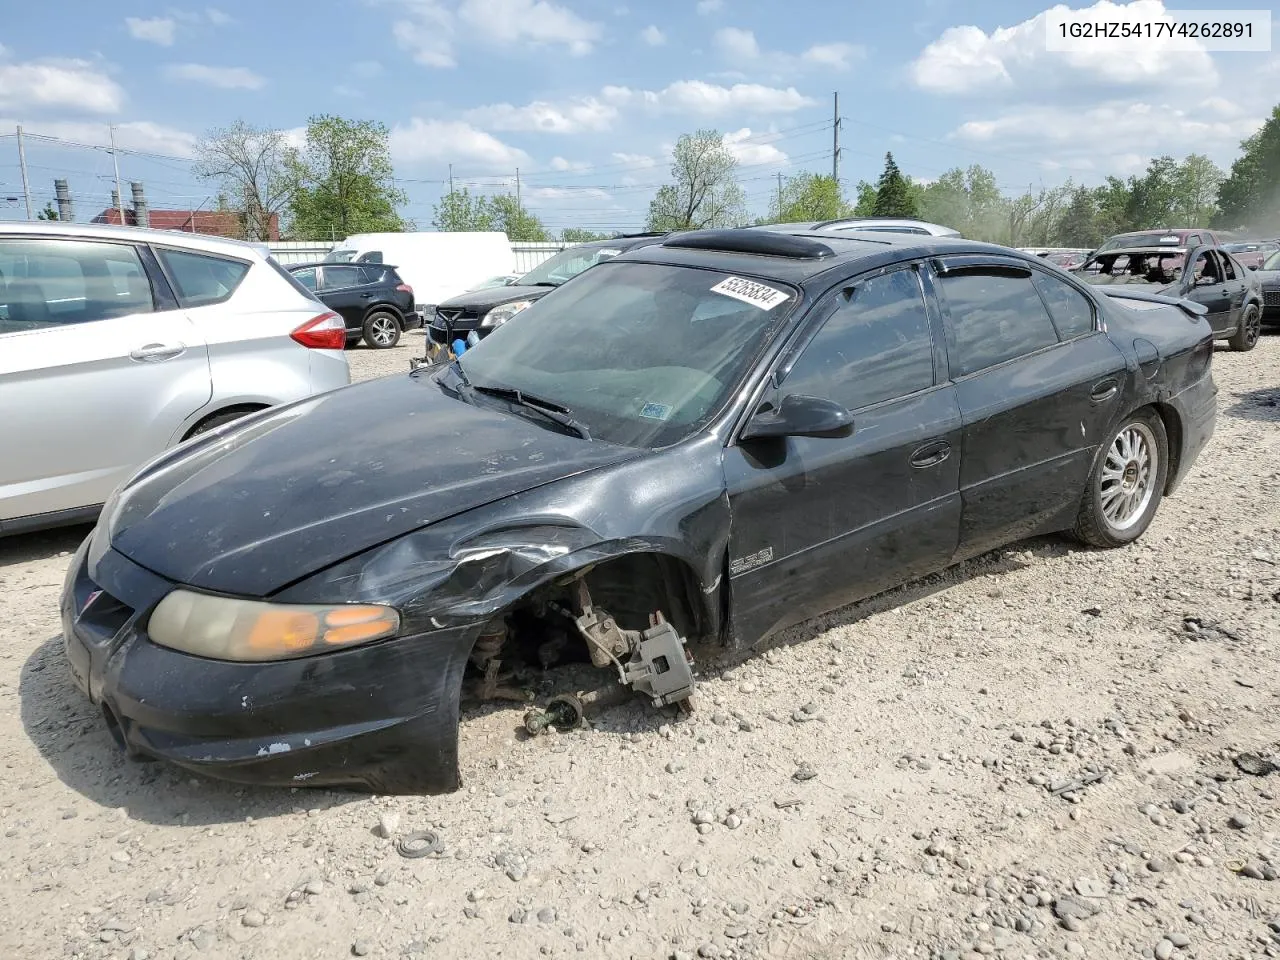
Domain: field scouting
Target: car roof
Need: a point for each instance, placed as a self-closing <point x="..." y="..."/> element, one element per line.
<point x="1120" y="251"/>
<point x="749" y="251"/>
<point x="845" y="224"/>
<point x="105" y="231"/>
<point x="335" y="263"/>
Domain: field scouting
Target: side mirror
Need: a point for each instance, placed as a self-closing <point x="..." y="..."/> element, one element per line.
<point x="800" y="416"/>
<point x="1253" y="266"/>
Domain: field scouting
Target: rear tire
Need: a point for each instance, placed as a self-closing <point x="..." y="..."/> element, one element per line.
<point x="381" y="330"/>
<point x="1127" y="482"/>
<point x="1246" y="335"/>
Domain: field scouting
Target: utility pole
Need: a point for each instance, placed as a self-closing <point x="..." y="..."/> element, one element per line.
<point x="451" y="180"/>
<point x="115" y="162"/>
<point x="835" y="138"/>
<point x="779" y="194"/>
<point x="517" y="187"/>
<point x="22" y="162"/>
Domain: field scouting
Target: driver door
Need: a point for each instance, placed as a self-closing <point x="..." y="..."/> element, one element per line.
<point x="1204" y="284"/>
<point x="818" y="522"/>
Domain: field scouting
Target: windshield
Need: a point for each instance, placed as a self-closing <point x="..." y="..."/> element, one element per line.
<point x="1241" y="247"/>
<point x="1272" y="262"/>
<point x="1160" y="268"/>
<point x="566" y="265"/>
<point x="642" y="354"/>
<point x="1152" y="238"/>
<point x="341" y="256"/>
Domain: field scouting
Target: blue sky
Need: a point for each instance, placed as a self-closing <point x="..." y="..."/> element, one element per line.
<point x="586" y="97"/>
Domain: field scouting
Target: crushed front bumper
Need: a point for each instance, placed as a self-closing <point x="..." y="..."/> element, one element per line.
<point x="382" y="717"/>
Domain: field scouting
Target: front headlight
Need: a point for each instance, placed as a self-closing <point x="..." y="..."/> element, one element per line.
<point x="500" y="315"/>
<point x="223" y="628"/>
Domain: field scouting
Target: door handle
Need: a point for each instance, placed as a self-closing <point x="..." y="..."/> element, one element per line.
<point x="931" y="454"/>
<point x="1103" y="390"/>
<point x="157" y="352"/>
<point x="366" y="296"/>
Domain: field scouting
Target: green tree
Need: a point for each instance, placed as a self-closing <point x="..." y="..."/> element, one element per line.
<point x="511" y="217"/>
<point x="1250" y="195"/>
<point x="1111" y="203"/>
<point x="578" y="235"/>
<point x="893" y="192"/>
<point x="1153" y="197"/>
<point x="805" y="197"/>
<point x="1197" y="182"/>
<point x="1078" y="226"/>
<point x="865" y="205"/>
<point x="705" y="192"/>
<point x="48" y="213"/>
<point x="968" y="201"/>
<point x="344" y="180"/>
<point x="460" y="211"/>
<point x="253" y="164"/>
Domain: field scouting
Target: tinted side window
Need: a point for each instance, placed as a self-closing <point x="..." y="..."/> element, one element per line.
<point x="306" y="277"/>
<point x="53" y="282"/>
<point x="1071" y="311"/>
<point x="875" y="346"/>
<point x="200" y="279"/>
<point x="373" y="256"/>
<point x="994" y="317"/>
<point x="333" y="277"/>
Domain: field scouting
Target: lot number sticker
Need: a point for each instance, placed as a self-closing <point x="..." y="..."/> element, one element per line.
<point x="748" y="291"/>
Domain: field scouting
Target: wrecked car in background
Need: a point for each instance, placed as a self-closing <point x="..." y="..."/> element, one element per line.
<point x="1252" y="253"/>
<point x="1269" y="281"/>
<point x="700" y="441"/>
<point x="1230" y="293"/>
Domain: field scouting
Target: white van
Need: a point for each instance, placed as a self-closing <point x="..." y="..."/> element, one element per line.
<point x="437" y="265"/>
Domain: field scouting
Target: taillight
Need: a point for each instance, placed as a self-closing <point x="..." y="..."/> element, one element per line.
<point x="325" y="332"/>
<point x="404" y="288"/>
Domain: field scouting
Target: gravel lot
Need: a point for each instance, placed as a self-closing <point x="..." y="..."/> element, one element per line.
<point x="1030" y="756"/>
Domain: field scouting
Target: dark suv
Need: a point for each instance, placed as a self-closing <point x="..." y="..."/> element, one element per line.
<point x="371" y="298"/>
<point x="488" y="308"/>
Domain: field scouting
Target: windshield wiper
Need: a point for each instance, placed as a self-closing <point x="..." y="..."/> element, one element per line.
<point x="556" y="412"/>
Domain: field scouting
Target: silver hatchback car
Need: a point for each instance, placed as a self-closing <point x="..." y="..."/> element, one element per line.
<point x="117" y="343"/>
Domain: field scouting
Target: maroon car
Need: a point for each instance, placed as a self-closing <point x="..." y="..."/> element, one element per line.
<point x="1252" y="253"/>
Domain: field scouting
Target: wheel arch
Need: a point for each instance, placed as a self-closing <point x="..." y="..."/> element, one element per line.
<point x="385" y="307"/>
<point x="241" y="409"/>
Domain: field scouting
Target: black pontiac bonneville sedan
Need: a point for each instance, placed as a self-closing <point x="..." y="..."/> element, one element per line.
<point x="706" y="439"/>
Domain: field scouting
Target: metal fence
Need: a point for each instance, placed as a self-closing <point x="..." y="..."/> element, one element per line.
<point x="528" y="254"/>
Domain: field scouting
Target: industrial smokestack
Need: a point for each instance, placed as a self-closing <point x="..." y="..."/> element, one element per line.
<point x="141" y="218"/>
<point x="66" y="212"/>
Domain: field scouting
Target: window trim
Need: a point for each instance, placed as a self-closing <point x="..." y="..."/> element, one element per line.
<point x="140" y="250"/>
<point x="826" y="306"/>
<point x="322" y="284"/>
<point x="1093" y="308"/>
<point x="159" y="248"/>
<point x="949" y="320"/>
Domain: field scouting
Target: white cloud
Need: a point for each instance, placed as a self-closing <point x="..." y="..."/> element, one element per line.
<point x="576" y="166"/>
<point x="573" y="116"/>
<point x="708" y="99"/>
<point x="295" y="137"/>
<point x="737" y="43"/>
<point x="966" y="59"/>
<point x="637" y="160"/>
<point x="159" y="30"/>
<point x="757" y="149"/>
<point x="426" y="32"/>
<point x="224" y="78"/>
<point x="452" y="141"/>
<point x="538" y="22"/>
<point x="837" y="56"/>
<point x="133" y="135"/>
<point x="706" y="7"/>
<point x="216" y="16"/>
<point x="565" y="193"/>
<point x="70" y="84"/>
<point x="653" y="36"/>
<point x="1111" y="135"/>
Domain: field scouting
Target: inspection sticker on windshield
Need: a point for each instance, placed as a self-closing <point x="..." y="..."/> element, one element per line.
<point x="748" y="291"/>
<point x="655" y="411"/>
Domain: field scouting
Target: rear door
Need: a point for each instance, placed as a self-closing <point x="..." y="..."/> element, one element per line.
<point x="344" y="290"/>
<point x="98" y="369"/>
<point x="822" y="521"/>
<point x="1037" y="394"/>
<point x="1233" y="278"/>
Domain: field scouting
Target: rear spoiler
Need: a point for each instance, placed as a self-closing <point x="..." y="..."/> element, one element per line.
<point x="1189" y="307"/>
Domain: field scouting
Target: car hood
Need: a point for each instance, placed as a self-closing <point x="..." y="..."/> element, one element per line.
<point x="492" y="297"/>
<point x="253" y="508"/>
<point x="1268" y="278"/>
